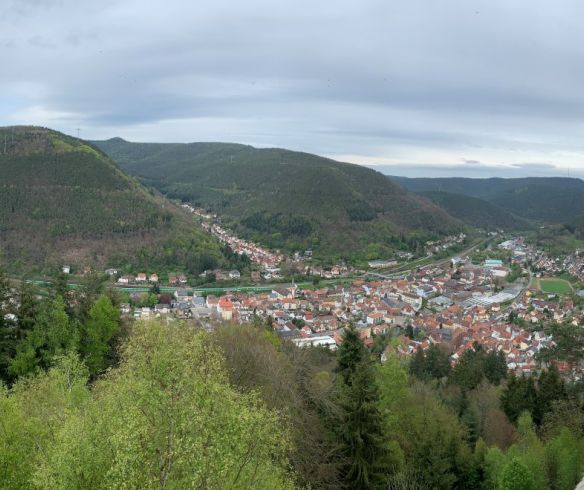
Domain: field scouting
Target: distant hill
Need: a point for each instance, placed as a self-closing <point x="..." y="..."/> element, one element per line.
<point x="547" y="199"/>
<point x="284" y="198"/>
<point x="64" y="201"/>
<point x="477" y="212"/>
<point x="576" y="227"/>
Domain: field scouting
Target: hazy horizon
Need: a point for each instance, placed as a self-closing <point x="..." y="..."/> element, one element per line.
<point x="469" y="170"/>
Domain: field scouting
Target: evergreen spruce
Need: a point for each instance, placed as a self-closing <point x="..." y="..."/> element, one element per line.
<point x="361" y="431"/>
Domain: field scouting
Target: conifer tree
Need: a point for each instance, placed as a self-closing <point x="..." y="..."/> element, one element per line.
<point x="550" y="388"/>
<point x="518" y="396"/>
<point x="361" y="431"/>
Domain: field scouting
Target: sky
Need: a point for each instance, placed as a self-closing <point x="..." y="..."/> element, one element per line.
<point x="410" y="87"/>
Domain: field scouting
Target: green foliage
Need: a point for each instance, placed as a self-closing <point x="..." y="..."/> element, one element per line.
<point x="519" y="395"/>
<point x="287" y="199"/>
<point x="30" y="415"/>
<point x="565" y="461"/>
<point x="514" y="273"/>
<point x="433" y="441"/>
<point x="7" y="334"/>
<point x="478" y="212"/>
<point x="477" y="364"/>
<point x="99" y="333"/>
<point x="361" y="431"/>
<point x="53" y="335"/>
<point x="568" y="344"/>
<point x="550" y="389"/>
<point x="516" y="476"/>
<point x="564" y="197"/>
<point x="286" y="224"/>
<point x="298" y="384"/>
<point x="62" y="200"/>
<point x="432" y="364"/>
<point x="166" y="417"/>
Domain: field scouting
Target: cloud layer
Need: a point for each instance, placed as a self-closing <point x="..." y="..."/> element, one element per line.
<point x="421" y="85"/>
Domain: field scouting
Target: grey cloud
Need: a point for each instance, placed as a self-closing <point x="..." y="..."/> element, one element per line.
<point x="412" y="81"/>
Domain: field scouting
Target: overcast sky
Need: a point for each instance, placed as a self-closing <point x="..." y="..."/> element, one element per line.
<point x="415" y="87"/>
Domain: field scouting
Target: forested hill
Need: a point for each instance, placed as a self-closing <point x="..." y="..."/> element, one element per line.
<point x="64" y="201"/>
<point x="547" y="199"/>
<point x="478" y="212"/>
<point x="287" y="199"/>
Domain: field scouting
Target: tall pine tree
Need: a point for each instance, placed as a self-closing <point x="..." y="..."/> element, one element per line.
<point x="361" y="430"/>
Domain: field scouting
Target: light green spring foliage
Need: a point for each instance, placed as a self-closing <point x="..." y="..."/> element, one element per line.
<point x="32" y="413"/>
<point x="393" y="382"/>
<point x="167" y="417"/>
<point x="557" y="463"/>
<point x="102" y="326"/>
<point x="516" y="476"/>
<point x="494" y="463"/>
<point x="565" y="460"/>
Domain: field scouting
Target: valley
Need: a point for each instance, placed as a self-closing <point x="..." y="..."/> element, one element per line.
<point x="256" y="245"/>
<point x="464" y="295"/>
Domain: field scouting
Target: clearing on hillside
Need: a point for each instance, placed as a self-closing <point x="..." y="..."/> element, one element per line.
<point x="555" y="286"/>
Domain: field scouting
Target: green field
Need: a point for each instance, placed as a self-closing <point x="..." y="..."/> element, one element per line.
<point x="555" y="286"/>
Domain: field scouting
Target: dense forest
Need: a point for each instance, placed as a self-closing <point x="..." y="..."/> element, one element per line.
<point x="286" y="199"/>
<point x="89" y="400"/>
<point x="478" y="212"/>
<point x="64" y="201"/>
<point x="545" y="199"/>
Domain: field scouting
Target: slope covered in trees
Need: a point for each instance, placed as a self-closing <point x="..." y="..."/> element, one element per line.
<point x="285" y="198"/>
<point x="548" y="199"/>
<point x="63" y="200"/>
<point x="477" y="212"/>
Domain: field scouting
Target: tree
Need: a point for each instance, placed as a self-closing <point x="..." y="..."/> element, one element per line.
<point x="7" y="328"/>
<point x="550" y="388"/>
<point x="476" y="364"/>
<point x="59" y="284"/>
<point x="530" y="450"/>
<point x="516" y="476"/>
<point x="495" y="366"/>
<point x="468" y="372"/>
<point x="181" y="424"/>
<point x="568" y="344"/>
<point x="494" y="426"/>
<point x="361" y="431"/>
<point x="32" y="413"/>
<point x="350" y="355"/>
<point x="564" y="461"/>
<point x="433" y="440"/>
<point x="437" y="362"/>
<point x="418" y="364"/>
<point x="434" y="363"/>
<point x="292" y="381"/>
<point x="519" y="395"/>
<point x="102" y="327"/>
<point x="90" y="289"/>
<point x="564" y="413"/>
<point x="53" y="335"/>
<point x="27" y="309"/>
